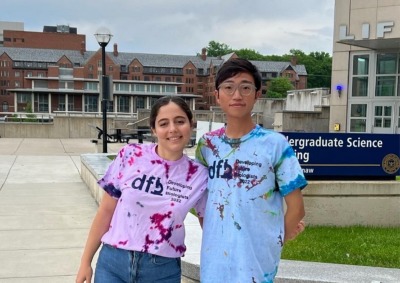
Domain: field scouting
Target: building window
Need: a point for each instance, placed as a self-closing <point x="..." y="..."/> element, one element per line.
<point x="92" y="86"/>
<point x="91" y="103"/>
<point x="169" y="88"/>
<point x="383" y="116"/>
<point x="41" y="102"/>
<point x="65" y="85"/>
<point x="139" y="87"/>
<point x="360" y="75"/>
<point x="40" y="84"/>
<point x="155" y="88"/>
<point x="386" y="73"/>
<point x="123" y="104"/>
<point x="61" y="102"/>
<point x="358" y="118"/>
<point x="71" y="102"/>
<point x="121" y="87"/>
<point x="140" y="102"/>
<point x="5" y="106"/>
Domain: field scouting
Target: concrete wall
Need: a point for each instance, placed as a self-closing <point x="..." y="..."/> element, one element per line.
<point x="301" y="121"/>
<point x="345" y="203"/>
<point x="307" y="99"/>
<point x="61" y="127"/>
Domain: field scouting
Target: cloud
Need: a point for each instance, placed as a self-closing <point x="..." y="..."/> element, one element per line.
<point x="184" y="27"/>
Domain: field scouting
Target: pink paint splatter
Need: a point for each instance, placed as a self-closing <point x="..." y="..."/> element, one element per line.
<point x="192" y="170"/>
<point x="164" y="232"/>
<point x="166" y="166"/>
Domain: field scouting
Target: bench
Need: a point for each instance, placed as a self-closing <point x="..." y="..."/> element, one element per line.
<point x="110" y="138"/>
<point x="127" y="137"/>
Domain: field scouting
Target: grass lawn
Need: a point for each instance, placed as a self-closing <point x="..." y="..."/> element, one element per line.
<point x="368" y="246"/>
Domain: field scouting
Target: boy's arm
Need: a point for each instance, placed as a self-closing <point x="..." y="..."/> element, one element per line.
<point x="294" y="214"/>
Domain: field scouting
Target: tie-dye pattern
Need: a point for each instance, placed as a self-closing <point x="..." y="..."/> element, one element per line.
<point x="244" y="217"/>
<point x="154" y="196"/>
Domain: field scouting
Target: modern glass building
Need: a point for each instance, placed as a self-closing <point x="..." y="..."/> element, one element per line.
<point x="365" y="96"/>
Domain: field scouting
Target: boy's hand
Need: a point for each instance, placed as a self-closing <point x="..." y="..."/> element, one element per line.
<point x="299" y="229"/>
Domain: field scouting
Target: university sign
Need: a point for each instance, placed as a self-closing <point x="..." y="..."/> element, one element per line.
<point x="335" y="155"/>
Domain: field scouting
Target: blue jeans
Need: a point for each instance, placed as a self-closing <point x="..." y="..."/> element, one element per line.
<point x="121" y="266"/>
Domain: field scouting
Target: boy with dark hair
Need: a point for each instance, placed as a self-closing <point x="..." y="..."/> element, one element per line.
<point x="251" y="171"/>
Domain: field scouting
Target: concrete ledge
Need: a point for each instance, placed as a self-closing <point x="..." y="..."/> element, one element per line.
<point x="301" y="271"/>
<point x="313" y="272"/>
<point x="346" y="203"/>
<point x="93" y="167"/>
<point x="320" y="204"/>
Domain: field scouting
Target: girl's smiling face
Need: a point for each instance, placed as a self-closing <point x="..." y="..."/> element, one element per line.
<point x="173" y="131"/>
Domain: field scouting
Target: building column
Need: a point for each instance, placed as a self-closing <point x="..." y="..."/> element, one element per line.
<point x="49" y="95"/>
<point x="33" y="102"/>
<point x="66" y="102"/>
<point x="15" y="102"/>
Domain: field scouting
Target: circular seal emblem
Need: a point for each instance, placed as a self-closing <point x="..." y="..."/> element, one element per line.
<point x="391" y="163"/>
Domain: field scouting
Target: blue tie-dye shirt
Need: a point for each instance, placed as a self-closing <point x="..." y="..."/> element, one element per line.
<point x="243" y="227"/>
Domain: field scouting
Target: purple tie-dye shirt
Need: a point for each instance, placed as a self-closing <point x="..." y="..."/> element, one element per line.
<point x="154" y="196"/>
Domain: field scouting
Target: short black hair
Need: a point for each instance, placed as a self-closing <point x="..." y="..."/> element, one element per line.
<point x="164" y="101"/>
<point x="234" y="66"/>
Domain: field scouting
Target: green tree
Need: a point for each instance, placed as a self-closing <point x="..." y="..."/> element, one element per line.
<point x="318" y="66"/>
<point x="279" y="87"/>
<point x="249" y="54"/>
<point x="216" y="49"/>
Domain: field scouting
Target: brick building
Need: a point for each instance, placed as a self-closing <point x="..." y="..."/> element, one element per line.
<point x="53" y="71"/>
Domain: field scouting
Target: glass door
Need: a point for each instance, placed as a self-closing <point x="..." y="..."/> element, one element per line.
<point x="384" y="121"/>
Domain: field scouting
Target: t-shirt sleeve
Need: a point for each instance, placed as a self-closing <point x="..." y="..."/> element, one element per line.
<point x="199" y="154"/>
<point x="110" y="181"/>
<point x="289" y="174"/>
<point x="200" y="205"/>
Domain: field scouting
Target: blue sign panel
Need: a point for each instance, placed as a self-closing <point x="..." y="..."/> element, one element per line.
<point x="348" y="155"/>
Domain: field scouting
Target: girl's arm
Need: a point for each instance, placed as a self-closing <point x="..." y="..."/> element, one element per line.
<point x="100" y="226"/>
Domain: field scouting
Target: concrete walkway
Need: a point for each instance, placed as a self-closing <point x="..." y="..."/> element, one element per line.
<point x="45" y="209"/>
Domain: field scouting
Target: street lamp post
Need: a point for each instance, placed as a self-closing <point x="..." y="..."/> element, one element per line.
<point x="103" y="37"/>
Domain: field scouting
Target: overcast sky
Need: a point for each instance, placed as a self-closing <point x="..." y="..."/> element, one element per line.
<point x="185" y="26"/>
